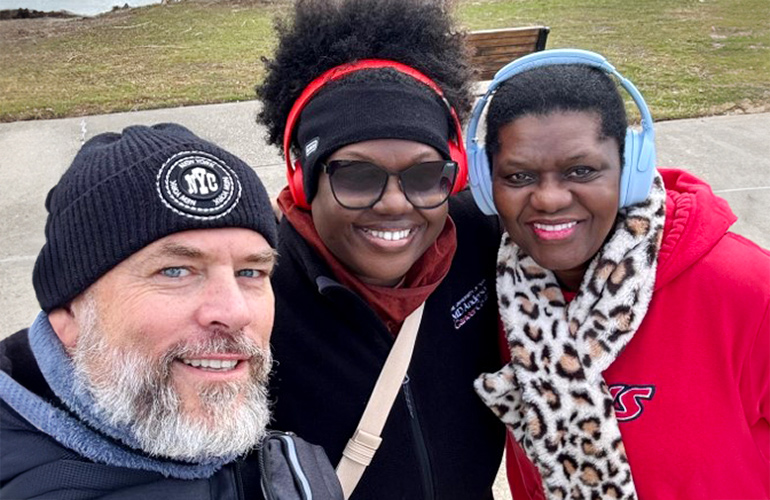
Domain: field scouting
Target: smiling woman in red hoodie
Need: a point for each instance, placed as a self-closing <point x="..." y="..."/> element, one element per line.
<point x="639" y="336"/>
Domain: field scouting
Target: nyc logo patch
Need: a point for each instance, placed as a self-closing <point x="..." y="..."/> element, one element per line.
<point x="628" y="400"/>
<point x="470" y="304"/>
<point x="198" y="185"/>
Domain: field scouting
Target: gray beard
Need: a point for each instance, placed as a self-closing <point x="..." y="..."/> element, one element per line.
<point x="135" y="390"/>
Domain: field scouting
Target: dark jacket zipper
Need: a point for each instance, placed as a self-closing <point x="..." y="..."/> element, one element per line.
<point x="266" y="492"/>
<point x="419" y="439"/>
<point x="238" y="481"/>
<point x="422" y="450"/>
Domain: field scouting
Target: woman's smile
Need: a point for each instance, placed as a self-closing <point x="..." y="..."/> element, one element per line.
<point x="554" y="231"/>
<point x="389" y="238"/>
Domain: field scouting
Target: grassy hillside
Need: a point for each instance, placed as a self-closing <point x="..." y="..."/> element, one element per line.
<point x="689" y="57"/>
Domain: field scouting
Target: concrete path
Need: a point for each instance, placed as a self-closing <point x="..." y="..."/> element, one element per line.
<point x="731" y="152"/>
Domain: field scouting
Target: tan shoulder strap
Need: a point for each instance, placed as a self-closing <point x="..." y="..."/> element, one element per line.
<point x="362" y="446"/>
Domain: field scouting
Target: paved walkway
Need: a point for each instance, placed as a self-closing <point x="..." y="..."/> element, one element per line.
<point x="731" y="152"/>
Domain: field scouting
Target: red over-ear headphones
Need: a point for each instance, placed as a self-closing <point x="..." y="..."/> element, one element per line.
<point x="294" y="169"/>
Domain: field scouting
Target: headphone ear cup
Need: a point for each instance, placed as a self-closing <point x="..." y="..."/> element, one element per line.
<point x="458" y="156"/>
<point x="481" y="179"/>
<point x="486" y="181"/>
<point x="297" y="187"/>
<point x="627" y="169"/>
<point x="646" y="164"/>
<point x="638" y="168"/>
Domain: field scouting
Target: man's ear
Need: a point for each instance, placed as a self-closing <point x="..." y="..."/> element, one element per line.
<point x="65" y="325"/>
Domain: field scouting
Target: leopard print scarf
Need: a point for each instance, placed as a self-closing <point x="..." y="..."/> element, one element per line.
<point x="552" y="394"/>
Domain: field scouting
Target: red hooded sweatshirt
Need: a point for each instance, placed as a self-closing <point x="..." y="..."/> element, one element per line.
<point x="692" y="388"/>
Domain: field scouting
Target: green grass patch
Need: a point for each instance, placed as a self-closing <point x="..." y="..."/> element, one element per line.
<point x="689" y="57"/>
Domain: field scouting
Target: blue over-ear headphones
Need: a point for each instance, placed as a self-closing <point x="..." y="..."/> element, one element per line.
<point x="639" y="154"/>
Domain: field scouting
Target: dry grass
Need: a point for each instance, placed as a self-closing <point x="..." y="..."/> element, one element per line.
<point x="159" y="56"/>
<point x="689" y="57"/>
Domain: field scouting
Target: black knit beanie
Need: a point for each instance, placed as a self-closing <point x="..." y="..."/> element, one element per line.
<point x="125" y="191"/>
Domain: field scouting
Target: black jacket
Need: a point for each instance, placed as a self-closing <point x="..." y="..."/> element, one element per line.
<point x="440" y="441"/>
<point x="34" y="465"/>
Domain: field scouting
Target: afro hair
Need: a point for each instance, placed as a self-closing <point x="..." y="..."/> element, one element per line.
<point x="323" y="34"/>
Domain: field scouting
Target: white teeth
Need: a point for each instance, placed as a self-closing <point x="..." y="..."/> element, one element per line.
<point x="389" y="235"/>
<point x="554" y="227"/>
<point x="213" y="364"/>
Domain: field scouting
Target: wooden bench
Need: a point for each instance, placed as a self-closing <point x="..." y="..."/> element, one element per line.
<point x="493" y="49"/>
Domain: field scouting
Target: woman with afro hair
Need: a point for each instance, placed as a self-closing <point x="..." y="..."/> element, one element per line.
<point x="365" y="98"/>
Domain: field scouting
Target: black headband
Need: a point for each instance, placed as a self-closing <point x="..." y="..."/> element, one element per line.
<point x="357" y="111"/>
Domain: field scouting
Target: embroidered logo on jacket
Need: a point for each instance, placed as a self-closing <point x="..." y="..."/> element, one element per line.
<point x="627" y="400"/>
<point x="469" y="305"/>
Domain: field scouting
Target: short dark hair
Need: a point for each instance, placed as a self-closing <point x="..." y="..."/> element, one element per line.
<point x="323" y="34"/>
<point x="547" y="89"/>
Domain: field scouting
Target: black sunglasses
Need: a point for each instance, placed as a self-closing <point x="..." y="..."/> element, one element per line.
<point x="360" y="184"/>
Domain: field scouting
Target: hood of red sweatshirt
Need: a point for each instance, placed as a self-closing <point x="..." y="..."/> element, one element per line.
<point x="696" y="219"/>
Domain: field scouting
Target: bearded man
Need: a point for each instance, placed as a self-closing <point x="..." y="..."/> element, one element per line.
<point x="145" y="374"/>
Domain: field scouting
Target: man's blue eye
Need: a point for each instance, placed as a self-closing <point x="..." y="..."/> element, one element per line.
<point x="174" y="272"/>
<point x="250" y="273"/>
